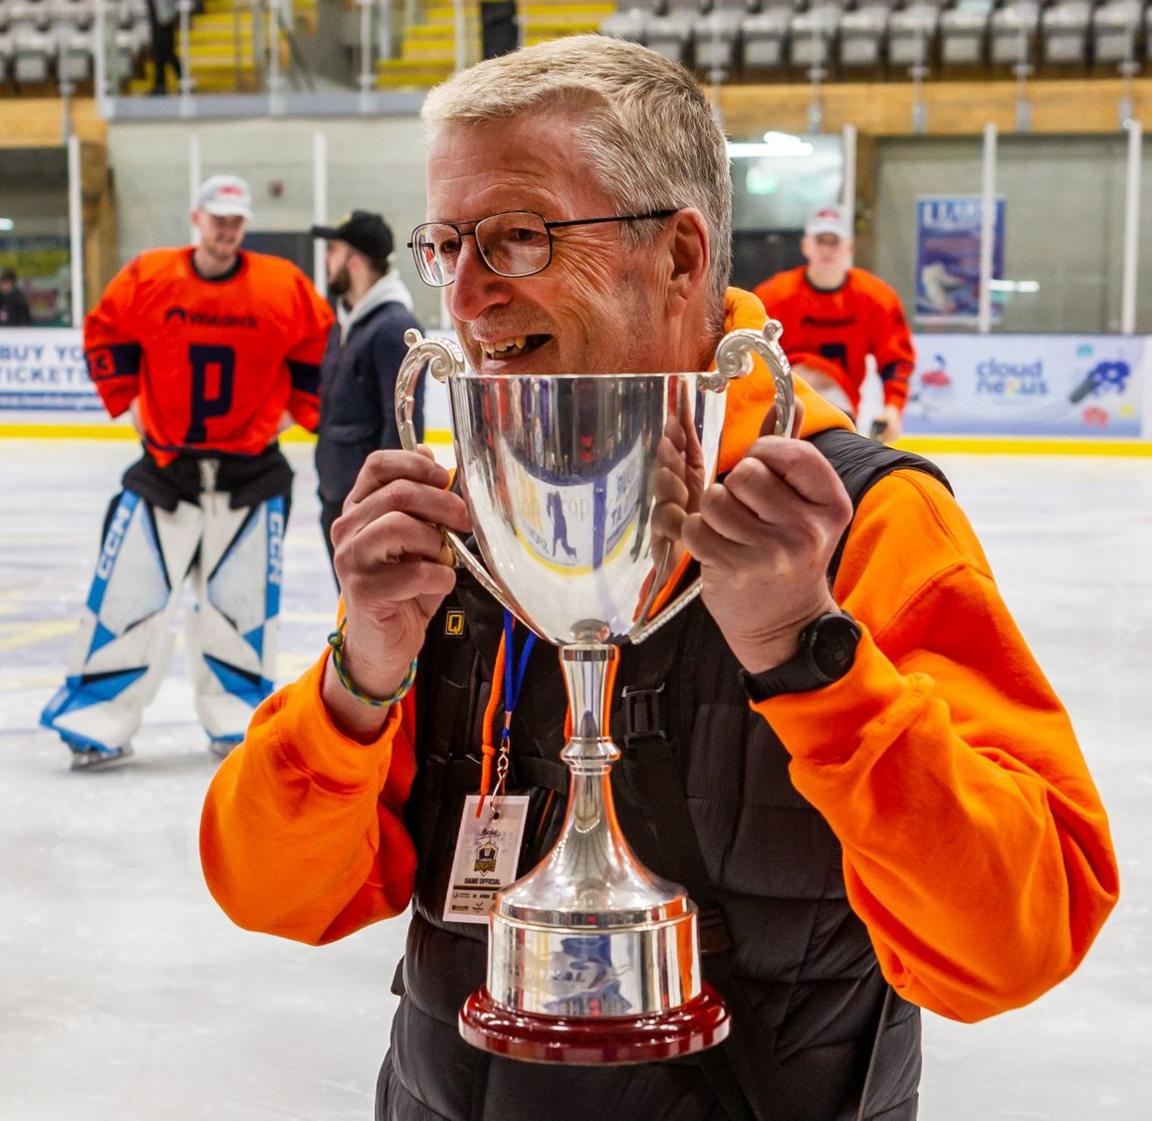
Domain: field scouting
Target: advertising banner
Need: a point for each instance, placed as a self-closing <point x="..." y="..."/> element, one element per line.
<point x="1042" y="385"/>
<point x="948" y="258"/>
<point x="42" y="369"/>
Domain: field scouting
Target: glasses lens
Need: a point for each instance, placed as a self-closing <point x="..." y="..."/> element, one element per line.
<point x="514" y="244"/>
<point x="436" y="248"/>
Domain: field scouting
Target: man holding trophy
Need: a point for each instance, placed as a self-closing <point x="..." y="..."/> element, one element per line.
<point x="842" y="747"/>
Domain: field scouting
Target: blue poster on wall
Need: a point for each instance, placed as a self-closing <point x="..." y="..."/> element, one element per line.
<point x="1039" y="385"/>
<point x="948" y="258"/>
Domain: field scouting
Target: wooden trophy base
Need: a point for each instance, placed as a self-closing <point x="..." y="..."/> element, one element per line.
<point x="602" y="1041"/>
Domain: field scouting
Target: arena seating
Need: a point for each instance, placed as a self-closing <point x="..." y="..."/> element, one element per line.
<point x="1115" y="29"/>
<point x="50" y="42"/>
<point x="772" y="39"/>
<point x="47" y="43"/>
<point x="765" y="36"/>
<point x="53" y="41"/>
<point x="1015" y="32"/>
<point x="912" y="34"/>
<point x="1064" y="30"/>
<point x="862" y="32"/>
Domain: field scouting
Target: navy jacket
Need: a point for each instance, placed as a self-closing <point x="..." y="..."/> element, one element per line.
<point x="357" y="395"/>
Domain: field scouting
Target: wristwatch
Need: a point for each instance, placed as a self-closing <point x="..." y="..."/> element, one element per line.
<point x="827" y="651"/>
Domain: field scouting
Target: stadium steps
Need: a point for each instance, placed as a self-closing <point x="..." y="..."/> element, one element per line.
<point x="213" y="39"/>
<point x="428" y="50"/>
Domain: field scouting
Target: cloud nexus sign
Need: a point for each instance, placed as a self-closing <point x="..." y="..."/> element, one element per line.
<point x="1012" y="378"/>
<point x="1038" y="385"/>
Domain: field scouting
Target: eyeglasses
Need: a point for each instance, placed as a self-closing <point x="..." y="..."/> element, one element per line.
<point x="514" y="243"/>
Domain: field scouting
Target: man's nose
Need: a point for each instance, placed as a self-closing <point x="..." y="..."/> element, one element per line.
<point x="475" y="287"/>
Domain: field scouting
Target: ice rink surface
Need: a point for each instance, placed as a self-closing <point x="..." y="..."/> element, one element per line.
<point x="126" y="995"/>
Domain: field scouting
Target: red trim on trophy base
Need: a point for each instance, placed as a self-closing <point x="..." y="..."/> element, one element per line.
<point x="609" y="1040"/>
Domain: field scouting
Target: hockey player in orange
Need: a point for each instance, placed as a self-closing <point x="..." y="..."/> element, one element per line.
<point x="834" y="316"/>
<point x="214" y="350"/>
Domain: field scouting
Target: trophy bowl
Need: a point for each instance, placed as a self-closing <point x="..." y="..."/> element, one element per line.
<point x="592" y="959"/>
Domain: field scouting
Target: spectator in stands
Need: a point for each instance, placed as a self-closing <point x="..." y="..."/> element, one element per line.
<point x="499" y="27"/>
<point x="834" y="316"/>
<point x="163" y="16"/>
<point x="365" y="348"/>
<point x="14" y="310"/>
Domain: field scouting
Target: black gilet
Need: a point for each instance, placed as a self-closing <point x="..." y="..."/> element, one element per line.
<point x="826" y="1022"/>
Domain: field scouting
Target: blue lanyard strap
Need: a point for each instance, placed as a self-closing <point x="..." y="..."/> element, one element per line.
<point x="513" y="680"/>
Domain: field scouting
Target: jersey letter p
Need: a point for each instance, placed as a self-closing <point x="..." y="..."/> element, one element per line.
<point x="211" y="395"/>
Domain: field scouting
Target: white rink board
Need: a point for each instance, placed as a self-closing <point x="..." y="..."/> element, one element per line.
<point x="1085" y="386"/>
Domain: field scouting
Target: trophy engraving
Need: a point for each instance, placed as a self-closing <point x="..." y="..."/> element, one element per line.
<point x="591" y="957"/>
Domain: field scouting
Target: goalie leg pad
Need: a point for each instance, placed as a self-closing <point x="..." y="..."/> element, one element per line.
<point x="232" y="635"/>
<point x="120" y="653"/>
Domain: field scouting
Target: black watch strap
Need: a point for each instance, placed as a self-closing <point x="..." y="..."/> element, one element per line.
<point x="827" y="650"/>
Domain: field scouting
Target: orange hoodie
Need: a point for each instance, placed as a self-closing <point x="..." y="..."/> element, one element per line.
<point x="975" y="846"/>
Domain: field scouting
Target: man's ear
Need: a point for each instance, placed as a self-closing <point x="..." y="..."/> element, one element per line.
<point x="690" y="255"/>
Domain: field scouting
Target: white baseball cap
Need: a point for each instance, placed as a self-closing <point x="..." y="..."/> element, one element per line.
<point x="829" y="219"/>
<point x="225" y="196"/>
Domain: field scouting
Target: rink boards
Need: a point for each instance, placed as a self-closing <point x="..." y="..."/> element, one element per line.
<point x="1029" y="394"/>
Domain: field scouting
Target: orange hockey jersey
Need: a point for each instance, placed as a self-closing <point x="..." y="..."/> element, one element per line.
<point x="215" y="363"/>
<point x="835" y="331"/>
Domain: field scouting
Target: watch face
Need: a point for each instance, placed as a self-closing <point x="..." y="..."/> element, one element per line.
<point x="833" y="647"/>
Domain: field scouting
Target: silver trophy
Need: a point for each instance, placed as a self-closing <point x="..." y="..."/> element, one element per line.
<point x="591" y="958"/>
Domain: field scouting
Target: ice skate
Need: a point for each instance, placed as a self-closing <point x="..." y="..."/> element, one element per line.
<point x="222" y="746"/>
<point x="89" y="756"/>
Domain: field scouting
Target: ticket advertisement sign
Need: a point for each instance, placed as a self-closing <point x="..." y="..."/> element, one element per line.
<point x="1041" y="385"/>
<point x="948" y="236"/>
<point x="42" y="369"/>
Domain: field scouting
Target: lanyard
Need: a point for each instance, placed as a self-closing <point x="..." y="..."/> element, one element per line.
<point x="514" y="682"/>
<point x="512" y="671"/>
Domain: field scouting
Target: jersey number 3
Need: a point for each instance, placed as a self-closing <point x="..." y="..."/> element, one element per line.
<point x="206" y="360"/>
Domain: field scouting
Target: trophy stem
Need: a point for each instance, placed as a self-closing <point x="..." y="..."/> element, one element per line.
<point x="590" y="837"/>
<point x="586" y="667"/>
<point x="591" y="958"/>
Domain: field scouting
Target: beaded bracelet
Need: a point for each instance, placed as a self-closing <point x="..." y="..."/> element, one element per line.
<point x="336" y="641"/>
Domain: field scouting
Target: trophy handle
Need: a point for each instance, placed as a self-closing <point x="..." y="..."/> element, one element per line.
<point x="734" y="360"/>
<point x="445" y="360"/>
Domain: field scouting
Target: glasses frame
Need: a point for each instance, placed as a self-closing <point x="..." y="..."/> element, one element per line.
<point x="548" y="228"/>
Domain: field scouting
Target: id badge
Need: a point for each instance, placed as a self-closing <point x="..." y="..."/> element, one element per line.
<point x="487" y="852"/>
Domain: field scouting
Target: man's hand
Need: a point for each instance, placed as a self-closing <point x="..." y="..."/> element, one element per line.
<point x="894" y="423"/>
<point x="134" y="416"/>
<point x="394" y="571"/>
<point x="764" y="539"/>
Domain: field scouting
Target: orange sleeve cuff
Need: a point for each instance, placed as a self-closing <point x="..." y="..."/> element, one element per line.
<point x="302" y="833"/>
<point x="867" y="708"/>
<point x="313" y="742"/>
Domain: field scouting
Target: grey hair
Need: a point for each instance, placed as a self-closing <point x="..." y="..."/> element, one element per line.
<point x="642" y="123"/>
